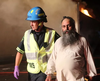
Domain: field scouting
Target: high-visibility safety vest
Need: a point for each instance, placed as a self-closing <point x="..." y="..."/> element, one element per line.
<point x="37" y="58"/>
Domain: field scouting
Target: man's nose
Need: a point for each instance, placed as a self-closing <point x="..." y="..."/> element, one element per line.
<point x="67" y="28"/>
<point x="31" y="23"/>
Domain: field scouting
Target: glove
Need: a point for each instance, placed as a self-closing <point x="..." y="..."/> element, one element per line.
<point x="16" y="72"/>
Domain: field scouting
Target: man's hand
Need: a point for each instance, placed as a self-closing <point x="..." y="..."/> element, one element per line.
<point x="48" y="78"/>
<point x="16" y="72"/>
<point x="90" y="78"/>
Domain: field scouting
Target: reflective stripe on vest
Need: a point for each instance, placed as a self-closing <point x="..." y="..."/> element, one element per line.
<point x="37" y="57"/>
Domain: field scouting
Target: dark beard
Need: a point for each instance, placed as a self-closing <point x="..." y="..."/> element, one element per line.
<point x="70" y="38"/>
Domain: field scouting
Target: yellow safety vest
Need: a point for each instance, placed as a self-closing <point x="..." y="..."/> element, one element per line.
<point x="37" y="58"/>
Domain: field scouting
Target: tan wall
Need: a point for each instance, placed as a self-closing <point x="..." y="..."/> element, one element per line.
<point x="13" y="24"/>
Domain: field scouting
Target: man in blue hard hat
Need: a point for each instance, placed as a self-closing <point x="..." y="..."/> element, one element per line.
<point x="37" y="44"/>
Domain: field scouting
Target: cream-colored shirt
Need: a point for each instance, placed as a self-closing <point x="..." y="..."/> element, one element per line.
<point x="72" y="62"/>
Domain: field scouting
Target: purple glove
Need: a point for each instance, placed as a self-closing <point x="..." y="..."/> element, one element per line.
<point x="16" y="72"/>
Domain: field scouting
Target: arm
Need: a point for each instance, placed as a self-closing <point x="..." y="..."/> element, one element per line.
<point x="91" y="69"/>
<point x="20" y="52"/>
<point x="51" y="66"/>
<point x="48" y="77"/>
<point x="18" y="59"/>
<point x="17" y="63"/>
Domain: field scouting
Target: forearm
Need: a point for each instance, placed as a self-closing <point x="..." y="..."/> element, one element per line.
<point x="89" y="78"/>
<point x="48" y="78"/>
<point x="18" y="59"/>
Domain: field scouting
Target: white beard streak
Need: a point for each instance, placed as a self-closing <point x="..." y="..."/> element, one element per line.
<point x="68" y="39"/>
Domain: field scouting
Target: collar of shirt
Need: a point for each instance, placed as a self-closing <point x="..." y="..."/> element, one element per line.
<point x="38" y="33"/>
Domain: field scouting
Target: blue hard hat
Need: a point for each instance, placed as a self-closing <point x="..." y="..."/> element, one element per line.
<point x="36" y="13"/>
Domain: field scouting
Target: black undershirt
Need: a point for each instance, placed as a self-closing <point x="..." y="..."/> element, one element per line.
<point x="39" y="37"/>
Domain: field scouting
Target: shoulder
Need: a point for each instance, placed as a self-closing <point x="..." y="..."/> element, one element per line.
<point x="53" y="31"/>
<point x="29" y="30"/>
<point x="83" y="39"/>
<point x="58" y="41"/>
<point x="49" y="29"/>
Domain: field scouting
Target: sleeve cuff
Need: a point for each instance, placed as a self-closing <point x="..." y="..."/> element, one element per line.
<point x="19" y="50"/>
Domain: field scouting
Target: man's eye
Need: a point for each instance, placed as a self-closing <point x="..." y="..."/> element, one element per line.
<point x="68" y="25"/>
<point x="63" y="26"/>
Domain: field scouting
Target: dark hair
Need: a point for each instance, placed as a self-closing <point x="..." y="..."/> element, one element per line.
<point x="72" y="22"/>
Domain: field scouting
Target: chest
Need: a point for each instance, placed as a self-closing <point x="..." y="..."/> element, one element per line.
<point x="71" y="51"/>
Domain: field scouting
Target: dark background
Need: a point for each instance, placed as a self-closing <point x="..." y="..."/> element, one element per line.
<point x="90" y="27"/>
<point x="95" y="6"/>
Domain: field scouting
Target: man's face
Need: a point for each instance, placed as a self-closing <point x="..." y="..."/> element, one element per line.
<point x="66" y="27"/>
<point x="68" y="37"/>
<point x="34" y="25"/>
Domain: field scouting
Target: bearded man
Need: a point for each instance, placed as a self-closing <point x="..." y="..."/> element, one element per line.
<point x="71" y="58"/>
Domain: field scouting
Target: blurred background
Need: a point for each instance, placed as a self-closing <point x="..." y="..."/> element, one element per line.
<point x="13" y="24"/>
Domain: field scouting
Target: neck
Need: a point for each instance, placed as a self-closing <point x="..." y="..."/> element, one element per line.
<point x="39" y="29"/>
